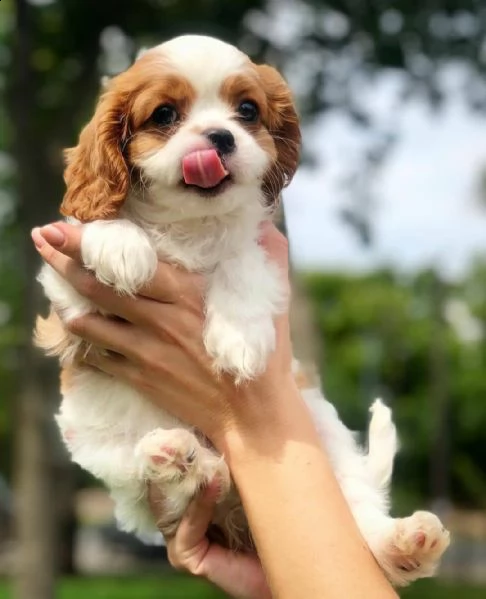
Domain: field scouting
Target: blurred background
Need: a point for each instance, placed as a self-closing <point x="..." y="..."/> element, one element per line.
<point x="387" y="223"/>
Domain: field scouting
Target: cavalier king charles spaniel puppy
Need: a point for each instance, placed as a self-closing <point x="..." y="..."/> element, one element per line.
<point x="185" y="156"/>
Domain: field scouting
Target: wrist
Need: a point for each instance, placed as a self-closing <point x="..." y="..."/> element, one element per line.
<point x="269" y="417"/>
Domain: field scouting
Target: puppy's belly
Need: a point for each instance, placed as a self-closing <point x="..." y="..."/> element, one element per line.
<point x="102" y="419"/>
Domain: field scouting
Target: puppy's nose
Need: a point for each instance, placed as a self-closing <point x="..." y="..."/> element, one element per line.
<point x="222" y="139"/>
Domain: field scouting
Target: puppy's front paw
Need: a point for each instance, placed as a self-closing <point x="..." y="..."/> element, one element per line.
<point x="414" y="547"/>
<point x="120" y="254"/>
<point x="239" y="348"/>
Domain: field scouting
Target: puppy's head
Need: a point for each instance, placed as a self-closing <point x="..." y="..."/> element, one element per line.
<point x="193" y="127"/>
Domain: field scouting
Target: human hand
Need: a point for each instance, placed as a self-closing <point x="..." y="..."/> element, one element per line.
<point x="158" y="348"/>
<point x="189" y="550"/>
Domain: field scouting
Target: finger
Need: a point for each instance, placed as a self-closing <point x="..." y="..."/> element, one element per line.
<point x="196" y="521"/>
<point x="116" y="336"/>
<point x="171" y="284"/>
<point x="189" y="547"/>
<point x="136" y="310"/>
<point x="276" y="245"/>
<point x="114" y="365"/>
<point x="64" y="237"/>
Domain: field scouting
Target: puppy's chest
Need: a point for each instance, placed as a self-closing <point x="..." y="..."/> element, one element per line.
<point x="198" y="252"/>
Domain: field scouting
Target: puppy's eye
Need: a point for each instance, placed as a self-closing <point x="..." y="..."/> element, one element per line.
<point x="248" y="111"/>
<point x="165" y="115"/>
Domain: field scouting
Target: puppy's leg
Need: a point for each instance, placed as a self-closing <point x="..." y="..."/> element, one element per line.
<point x="382" y="445"/>
<point x="180" y="466"/>
<point x="243" y="297"/>
<point x="171" y="459"/>
<point x="67" y="304"/>
<point x="120" y="254"/>
<point x="405" y="548"/>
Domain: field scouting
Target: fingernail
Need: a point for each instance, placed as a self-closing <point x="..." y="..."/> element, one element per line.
<point x="53" y="235"/>
<point x="37" y="238"/>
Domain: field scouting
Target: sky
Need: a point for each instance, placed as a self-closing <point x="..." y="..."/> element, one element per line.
<point x="428" y="209"/>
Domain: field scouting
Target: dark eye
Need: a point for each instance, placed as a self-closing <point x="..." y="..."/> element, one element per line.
<point x="165" y="115"/>
<point x="248" y="111"/>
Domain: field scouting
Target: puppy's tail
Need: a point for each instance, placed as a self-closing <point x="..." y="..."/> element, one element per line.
<point x="382" y="444"/>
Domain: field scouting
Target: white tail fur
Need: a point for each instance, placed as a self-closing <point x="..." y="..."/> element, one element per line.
<point x="382" y="443"/>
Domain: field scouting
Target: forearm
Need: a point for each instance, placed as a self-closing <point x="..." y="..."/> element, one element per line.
<point x="305" y="534"/>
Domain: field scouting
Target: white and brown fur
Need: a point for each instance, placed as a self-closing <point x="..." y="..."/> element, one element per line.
<point x="124" y="184"/>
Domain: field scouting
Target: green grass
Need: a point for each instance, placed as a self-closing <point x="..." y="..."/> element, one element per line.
<point x="180" y="587"/>
<point x="166" y="587"/>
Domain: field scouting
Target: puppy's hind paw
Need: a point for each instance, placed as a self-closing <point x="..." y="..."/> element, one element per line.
<point x="168" y="455"/>
<point x="414" y="548"/>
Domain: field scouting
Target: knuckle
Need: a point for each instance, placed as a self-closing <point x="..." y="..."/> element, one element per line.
<point x="173" y="330"/>
<point x="142" y="378"/>
<point x="77" y="326"/>
<point x="152" y="363"/>
<point x="191" y="327"/>
<point x="159" y="327"/>
<point x="142" y="353"/>
<point x="138" y="379"/>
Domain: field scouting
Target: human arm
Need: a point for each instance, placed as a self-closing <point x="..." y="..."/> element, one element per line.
<point x="263" y="428"/>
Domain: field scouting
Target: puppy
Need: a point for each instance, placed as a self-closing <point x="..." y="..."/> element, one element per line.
<point x="185" y="156"/>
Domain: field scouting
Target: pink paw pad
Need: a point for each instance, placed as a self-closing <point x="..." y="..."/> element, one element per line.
<point x="420" y="538"/>
<point x="166" y="455"/>
<point x="169" y="456"/>
<point x="417" y="544"/>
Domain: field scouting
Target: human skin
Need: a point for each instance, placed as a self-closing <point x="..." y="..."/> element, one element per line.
<point x="263" y="428"/>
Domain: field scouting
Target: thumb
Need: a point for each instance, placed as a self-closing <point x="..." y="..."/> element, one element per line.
<point x="62" y="236"/>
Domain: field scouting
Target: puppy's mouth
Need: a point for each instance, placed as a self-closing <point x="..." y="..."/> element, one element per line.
<point x="205" y="172"/>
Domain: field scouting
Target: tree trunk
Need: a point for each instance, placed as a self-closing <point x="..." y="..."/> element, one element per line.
<point x="36" y="535"/>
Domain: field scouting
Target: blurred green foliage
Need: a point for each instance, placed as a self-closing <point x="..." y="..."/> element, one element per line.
<point x="381" y="333"/>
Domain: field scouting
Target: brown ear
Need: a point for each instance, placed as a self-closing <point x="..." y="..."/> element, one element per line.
<point x="96" y="175"/>
<point x="283" y="125"/>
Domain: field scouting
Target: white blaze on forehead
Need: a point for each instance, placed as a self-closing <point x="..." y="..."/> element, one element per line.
<point x="205" y="61"/>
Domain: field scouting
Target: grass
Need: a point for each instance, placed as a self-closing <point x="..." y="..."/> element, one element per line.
<point x="181" y="587"/>
<point x="166" y="587"/>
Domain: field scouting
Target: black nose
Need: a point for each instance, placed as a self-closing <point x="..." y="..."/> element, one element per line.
<point x="222" y="139"/>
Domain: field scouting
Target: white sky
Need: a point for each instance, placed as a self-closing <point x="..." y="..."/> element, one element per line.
<point x="428" y="209"/>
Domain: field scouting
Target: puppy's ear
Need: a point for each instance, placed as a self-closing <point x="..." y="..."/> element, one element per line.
<point x="283" y="126"/>
<point x="96" y="175"/>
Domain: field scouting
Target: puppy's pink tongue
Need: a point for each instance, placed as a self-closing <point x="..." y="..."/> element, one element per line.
<point x="203" y="168"/>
